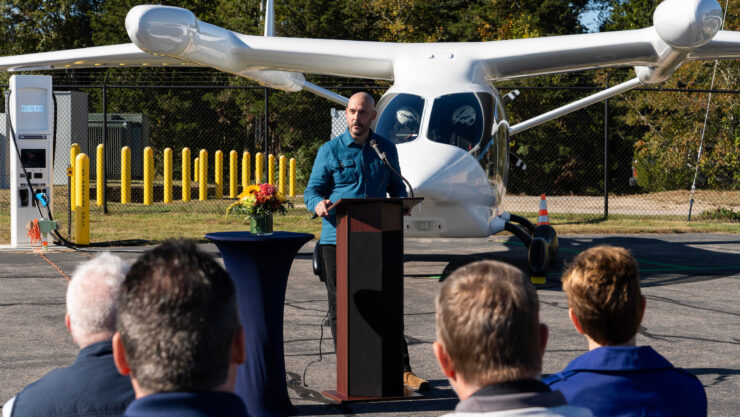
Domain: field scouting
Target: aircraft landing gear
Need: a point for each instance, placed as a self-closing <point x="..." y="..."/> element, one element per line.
<point x="541" y="242"/>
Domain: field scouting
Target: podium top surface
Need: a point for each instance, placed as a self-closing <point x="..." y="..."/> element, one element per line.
<point x="407" y="203"/>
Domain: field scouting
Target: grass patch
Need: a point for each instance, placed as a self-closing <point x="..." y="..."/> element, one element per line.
<point x="179" y="220"/>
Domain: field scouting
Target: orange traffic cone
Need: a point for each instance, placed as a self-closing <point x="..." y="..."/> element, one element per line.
<point x="543" y="218"/>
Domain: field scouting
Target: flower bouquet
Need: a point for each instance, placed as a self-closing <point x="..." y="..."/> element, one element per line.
<point x="258" y="203"/>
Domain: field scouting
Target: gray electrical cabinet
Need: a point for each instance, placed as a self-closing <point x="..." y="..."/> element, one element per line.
<point x="124" y="129"/>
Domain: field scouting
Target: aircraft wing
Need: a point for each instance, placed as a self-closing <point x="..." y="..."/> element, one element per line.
<point x="538" y="56"/>
<point x="95" y="57"/>
<point x="726" y="45"/>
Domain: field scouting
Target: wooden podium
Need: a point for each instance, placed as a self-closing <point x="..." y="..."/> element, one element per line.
<point x="370" y="299"/>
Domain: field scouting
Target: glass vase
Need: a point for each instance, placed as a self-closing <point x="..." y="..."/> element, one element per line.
<point x="260" y="224"/>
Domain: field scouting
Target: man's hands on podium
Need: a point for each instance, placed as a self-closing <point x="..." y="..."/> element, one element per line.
<point x="322" y="209"/>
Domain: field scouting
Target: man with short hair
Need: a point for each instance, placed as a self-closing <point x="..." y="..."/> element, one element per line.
<point x="616" y="377"/>
<point x="347" y="167"/>
<point x="91" y="386"/>
<point x="490" y="344"/>
<point x="179" y="337"/>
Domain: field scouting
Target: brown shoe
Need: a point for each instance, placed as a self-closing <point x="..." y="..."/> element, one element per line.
<point x="414" y="382"/>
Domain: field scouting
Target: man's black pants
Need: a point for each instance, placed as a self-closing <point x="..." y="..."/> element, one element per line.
<point x="329" y="259"/>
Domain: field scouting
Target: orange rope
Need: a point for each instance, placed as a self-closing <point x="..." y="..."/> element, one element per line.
<point x="35" y="234"/>
<point x="54" y="265"/>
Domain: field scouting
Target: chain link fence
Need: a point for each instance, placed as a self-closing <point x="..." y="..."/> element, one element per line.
<point x="595" y="162"/>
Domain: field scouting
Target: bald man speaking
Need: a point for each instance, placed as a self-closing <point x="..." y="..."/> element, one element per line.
<point x="348" y="167"/>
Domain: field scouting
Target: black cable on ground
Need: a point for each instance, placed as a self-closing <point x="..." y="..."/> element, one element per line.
<point x="321" y="356"/>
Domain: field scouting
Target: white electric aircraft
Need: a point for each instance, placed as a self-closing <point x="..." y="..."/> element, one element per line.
<point x="448" y="120"/>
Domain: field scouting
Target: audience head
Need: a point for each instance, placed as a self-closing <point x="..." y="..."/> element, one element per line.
<point x="178" y="324"/>
<point x="488" y="328"/>
<point x="603" y="289"/>
<point x="91" y="299"/>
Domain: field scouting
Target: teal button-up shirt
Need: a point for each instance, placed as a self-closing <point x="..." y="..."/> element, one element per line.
<point x="345" y="169"/>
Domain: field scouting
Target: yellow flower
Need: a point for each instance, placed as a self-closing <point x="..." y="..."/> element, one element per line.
<point x="251" y="190"/>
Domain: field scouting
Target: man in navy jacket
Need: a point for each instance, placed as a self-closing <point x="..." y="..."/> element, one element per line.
<point x="616" y="377"/>
<point x="179" y="337"/>
<point x="91" y="386"/>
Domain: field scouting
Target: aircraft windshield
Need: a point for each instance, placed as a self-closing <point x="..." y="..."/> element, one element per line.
<point x="460" y="119"/>
<point x="400" y="116"/>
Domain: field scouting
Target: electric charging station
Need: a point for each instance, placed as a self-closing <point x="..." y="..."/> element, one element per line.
<point x="30" y="108"/>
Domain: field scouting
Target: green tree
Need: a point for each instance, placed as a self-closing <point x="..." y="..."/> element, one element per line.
<point x="671" y="124"/>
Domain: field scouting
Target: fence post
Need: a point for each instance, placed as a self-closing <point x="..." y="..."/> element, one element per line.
<point x="292" y="178"/>
<point x="82" y="199"/>
<point x="148" y="175"/>
<point x="218" y="174"/>
<point x="185" y="174"/>
<point x="271" y="169"/>
<point x="246" y="170"/>
<point x="125" y="175"/>
<point x="167" y="197"/>
<point x="232" y="173"/>
<point x="258" y="167"/>
<point x="99" y="173"/>
<point x="606" y="158"/>
<point x="74" y="150"/>
<point x="203" y="175"/>
<point x="281" y="174"/>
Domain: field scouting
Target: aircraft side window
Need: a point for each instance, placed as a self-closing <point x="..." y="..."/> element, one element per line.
<point x="400" y="117"/>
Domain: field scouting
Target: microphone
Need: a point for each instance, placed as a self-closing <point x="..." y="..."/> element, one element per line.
<point x="381" y="155"/>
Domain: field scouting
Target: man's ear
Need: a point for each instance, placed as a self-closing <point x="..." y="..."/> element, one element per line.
<point x="68" y="323"/>
<point x="575" y="321"/>
<point x="444" y="360"/>
<point x="119" y="355"/>
<point x="375" y="113"/>
<point x="239" y="347"/>
<point x="544" y="334"/>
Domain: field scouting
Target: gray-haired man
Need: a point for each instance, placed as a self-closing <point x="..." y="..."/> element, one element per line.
<point x="91" y="386"/>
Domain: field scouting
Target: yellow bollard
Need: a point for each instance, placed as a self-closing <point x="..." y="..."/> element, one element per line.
<point x="271" y="169"/>
<point x="291" y="189"/>
<point x="233" y="156"/>
<point x="125" y="175"/>
<point x="167" y="198"/>
<point x="74" y="150"/>
<point x="99" y="167"/>
<point x="148" y="176"/>
<point x="185" y="174"/>
<point x="82" y="199"/>
<point x="218" y="174"/>
<point x="203" y="175"/>
<point x="281" y="174"/>
<point x="196" y="169"/>
<point x="258" y="167"/>
<point x="246" y="170"/>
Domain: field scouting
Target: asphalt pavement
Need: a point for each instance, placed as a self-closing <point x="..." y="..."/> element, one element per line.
<point x="691" y="282"/>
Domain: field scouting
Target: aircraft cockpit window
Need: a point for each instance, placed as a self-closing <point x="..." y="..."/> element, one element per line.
<point x="400" y="117"/>
<point x="461" y="119"/>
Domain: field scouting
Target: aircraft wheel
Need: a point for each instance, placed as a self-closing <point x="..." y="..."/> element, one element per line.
<point x="539" y="260"/>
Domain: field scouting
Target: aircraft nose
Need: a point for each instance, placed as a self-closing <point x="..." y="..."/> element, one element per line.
<point x="161" y="30"/>
<point x="444" y="173"/>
